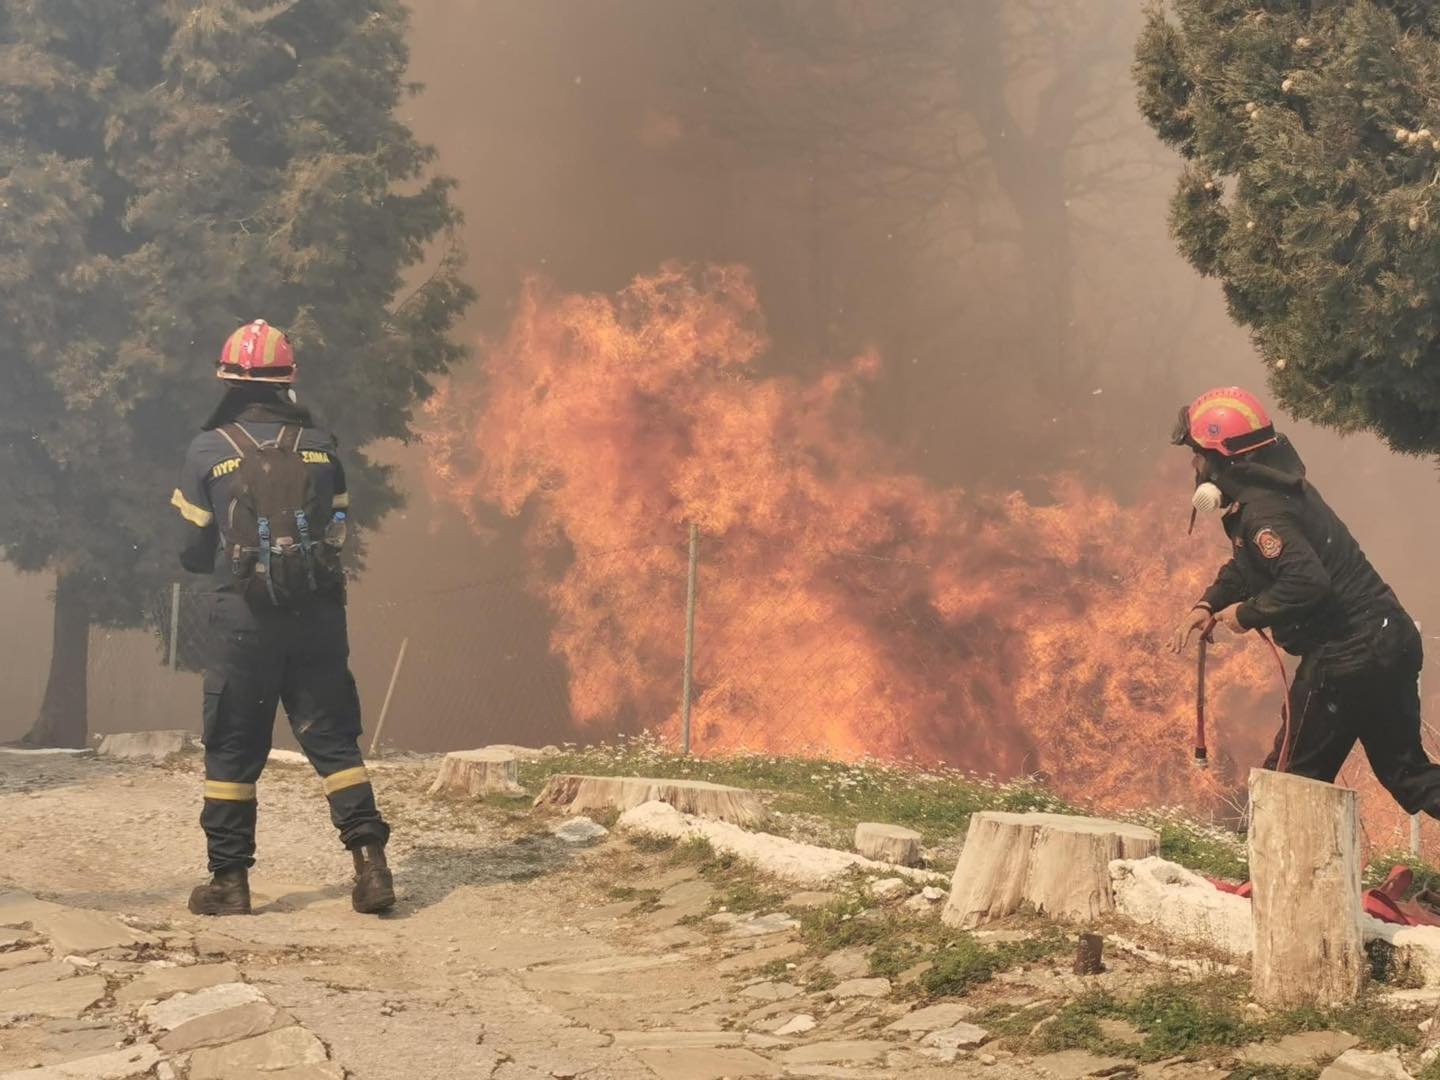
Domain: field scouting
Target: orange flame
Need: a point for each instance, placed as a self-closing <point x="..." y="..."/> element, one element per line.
<point x="845" y="605"/>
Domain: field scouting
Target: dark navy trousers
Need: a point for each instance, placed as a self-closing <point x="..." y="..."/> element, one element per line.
<point x="257" y="660"/>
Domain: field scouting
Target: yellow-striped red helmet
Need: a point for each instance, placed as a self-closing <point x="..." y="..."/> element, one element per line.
<point x="257" y="352"/>
<point x="1228" y="420"/>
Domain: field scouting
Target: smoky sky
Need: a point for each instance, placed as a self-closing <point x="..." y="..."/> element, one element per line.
<point x="965" y="187"/>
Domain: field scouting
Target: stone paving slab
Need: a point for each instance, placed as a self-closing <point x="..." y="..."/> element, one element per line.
<point x="666" y="1039"/>
<point x="229" y="1025"/>
<point x="20" y="957"/>
<point x="160" y="983"/>
<point x="74" y="932"/>
<point x="838" y="1052"/>
<point x="324" y="1071"/>
<point x="19" y="909"/>
<point x="287" y="1048"/>
<point x="67" y="998"/>
<point x="706" y="1064"/>
<point x="182" y="1008"/>
<point x="127" y="1064"/>
<point x="203" y="1022"/>
<point x="34" y="974"/>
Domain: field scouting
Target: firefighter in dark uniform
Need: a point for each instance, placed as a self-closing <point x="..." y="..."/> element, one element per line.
<point x="264" y="648"/>
<point x="1297" y="574"/>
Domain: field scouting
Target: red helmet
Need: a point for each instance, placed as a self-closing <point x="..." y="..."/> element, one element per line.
<point x="1229" y="421"/>
<point x="257" y="352"/>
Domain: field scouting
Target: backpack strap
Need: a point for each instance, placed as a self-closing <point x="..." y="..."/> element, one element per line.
<point x="307" y="548"/>
<point x="231" y="439"/>
<point x="277" y="441"/>
<point x="302" y="522"/>
<point x="263" y="525"/>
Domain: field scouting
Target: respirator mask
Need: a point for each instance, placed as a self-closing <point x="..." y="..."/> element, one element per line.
<point x="1207" y="498"/>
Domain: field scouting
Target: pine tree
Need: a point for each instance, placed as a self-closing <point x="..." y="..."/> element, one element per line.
<point x="168" y="169"/>
<point x="1311" y="136"/>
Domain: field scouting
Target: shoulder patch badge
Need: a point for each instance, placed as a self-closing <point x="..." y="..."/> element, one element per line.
<point x="1269" y="543"/>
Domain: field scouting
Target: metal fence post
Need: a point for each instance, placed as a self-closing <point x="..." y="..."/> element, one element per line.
<point x="1415" y="818"/>
<point x="689" y="639"/>
<point x="174" y="625"/>
<point x="389" y="693"/>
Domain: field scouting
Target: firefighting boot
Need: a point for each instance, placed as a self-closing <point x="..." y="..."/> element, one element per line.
<point x="374" y="886"/>
<point x="226" y="893"/>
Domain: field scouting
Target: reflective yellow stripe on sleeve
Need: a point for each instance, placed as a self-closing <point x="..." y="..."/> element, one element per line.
<point x="341" y="501"/>
<point x="346" y="778"/>
<point x="190" y="512"/>
<point x="229" y="792"/>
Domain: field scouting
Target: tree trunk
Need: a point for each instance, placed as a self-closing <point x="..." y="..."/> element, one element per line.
<point x="1305" y="866"/>
<point x="581" y="794"/>
<point x="470" y="774"/>
<point x="1058" y="864"/>
<point x="63" y="720"/>
<point x="888" y="843"/>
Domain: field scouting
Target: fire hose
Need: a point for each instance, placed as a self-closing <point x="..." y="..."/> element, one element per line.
<point x="1202" y="753"/>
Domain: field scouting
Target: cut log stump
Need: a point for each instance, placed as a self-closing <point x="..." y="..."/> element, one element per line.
<point x="581" y="794"/>
<point x="888" y="843"/>
<point x="1090" y="955"/>
<point x="1305" y="869"/>
<point x="1056" y="863"/>
<point x="470" y="774"/>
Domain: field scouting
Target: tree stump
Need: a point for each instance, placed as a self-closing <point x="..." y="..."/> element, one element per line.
<point x="580" y="794"/>
<point x="1090" y="955"/>
<point x="888" y="843"/>
<point x="1305" y="870"/>
<point x="1057" y="863"/>
<point x="470" y="774"/>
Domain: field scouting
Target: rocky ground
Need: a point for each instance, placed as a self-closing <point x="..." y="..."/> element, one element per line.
<point x="512" y="954"/>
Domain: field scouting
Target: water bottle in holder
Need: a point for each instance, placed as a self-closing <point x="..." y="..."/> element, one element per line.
<point x="336" y="531"/>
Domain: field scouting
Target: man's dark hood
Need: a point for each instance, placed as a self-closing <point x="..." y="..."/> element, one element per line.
<point x="258" y="403"/>
<point x="1276" y="467"/>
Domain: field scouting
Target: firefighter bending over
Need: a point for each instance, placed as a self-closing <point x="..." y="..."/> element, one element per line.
<point x="1297" y="573"/>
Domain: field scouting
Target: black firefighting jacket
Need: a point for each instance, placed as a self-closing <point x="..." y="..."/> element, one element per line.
<point x="1296" y="570"/>
<point x="210" y="466"/>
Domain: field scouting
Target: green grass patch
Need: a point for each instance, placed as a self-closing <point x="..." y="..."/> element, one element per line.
<point x="775" y="969"/>
<point x="1198" y="1019"/>
<point x="1007" y="1023"/>
<point x="897" y="942"/>
<point x="1190" y="1019"/>
<point x="1427" y="877"/>
<point x="821" y="980"/>
<point x="1184" y="1018"/>
<point x="747" y="895"/>
<point x="966" y="962"/>
<point x="837" y="925"/>
<point x="1369" y="1020"/>
<point x="650" y="843"/>
<point x="1211" y="852"/>
<point x="629" y="892"/>
<point x="937" y="801"/>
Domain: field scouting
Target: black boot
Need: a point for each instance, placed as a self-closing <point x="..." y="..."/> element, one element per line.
<point x="374" y="885"/>
<point x="226" y="893"/>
